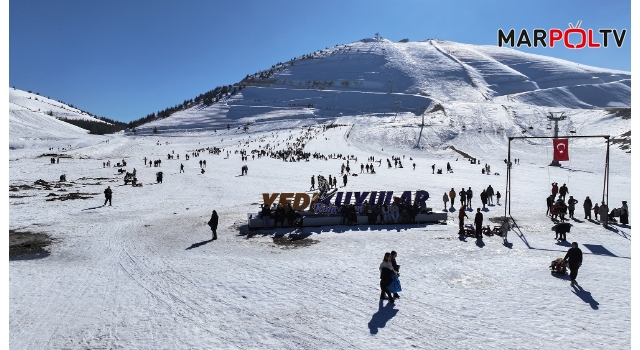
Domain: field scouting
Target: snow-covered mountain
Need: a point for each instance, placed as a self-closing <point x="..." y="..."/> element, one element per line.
<point x="462" y="87"/>
<point x="36" y="118"/>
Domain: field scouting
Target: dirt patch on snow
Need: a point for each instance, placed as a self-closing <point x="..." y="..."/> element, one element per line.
<point x="28" y="245"/>
<point x="69" y="196"/>
<point x="294" y="241"/>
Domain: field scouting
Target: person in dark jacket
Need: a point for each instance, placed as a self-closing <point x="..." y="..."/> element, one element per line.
<point x="574" y="257"/>
<point x="463" y="197"/>
<point x="490" y="194"/>
<point x="549" y="203"/>
<point x="291" y="215"/>
<point x="396" y="268"/>
<point x="213" y="224"/>
<point x="561" y="230"/>
<point x="266" y="215"/>
<point x="462" y="213"/>
<point x="587" y="208"/>
<point x="571" y="205"/>
<point x="563" y="191"/>
<point x="483" y="198"/>
<point x="624" y="213"/>
<point x="469" y="196"/>
<point x="107" y="195"/>
<point x="386" y="270"/>
<point x="344" y="180"/>
<point x="478" y="221"/>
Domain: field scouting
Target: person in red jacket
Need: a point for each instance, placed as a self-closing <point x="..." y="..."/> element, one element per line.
<point x="462" y="213"/>
<point x="554" y="189"/>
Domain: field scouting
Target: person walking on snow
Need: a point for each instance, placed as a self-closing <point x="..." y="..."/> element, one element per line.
<point x="181" y="168"/>
<point x="213" y="224"/>
<point x="107" y="196"/>
<point x="549" y="203"/>
<point x="386" y="270"/>
<point x="313" y="183"/>
<point x="344" y="180"/>
<point x="469" y="196"/>
<point x="396" y="268"/>
<point x="574" y="257"/>
<point x="445" y="199"/>
<point x="498" y="196"/>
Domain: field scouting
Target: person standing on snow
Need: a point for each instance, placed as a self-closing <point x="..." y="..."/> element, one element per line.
<point x="498" y="196"/>
<point x="463" y="197"/>
<point x="344" y="180"/>
<point x="604" y="214"/>
<point x="490" y="194"/>
<point x="452" y="196"/>
<point x="586" y="204"/>
<point x="554" y="190"/>
<point x="574" y="257"/>
<point x="478" y="222"/>
<point x="483" y="198"/>
<point x="107" y="196"/>
<point x="313" y="183"/>
<point x="445" y="199"/>
<point x="462" y="213"/>
<point x="504" y="229"/>
<point x="213" y="224"/>
<point x="563" y="191"/>
<point x="624" y="213"/>
<point x="571" y="205"/>
<point x="469" y="196"/>
<point x="396" y="268"/>
<point x="596" y="211"/>
<point x="386" y="270"/>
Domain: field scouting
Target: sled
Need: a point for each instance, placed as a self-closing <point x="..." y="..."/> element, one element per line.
<point x="558" y="267"/>
<point x="469" y="230"/>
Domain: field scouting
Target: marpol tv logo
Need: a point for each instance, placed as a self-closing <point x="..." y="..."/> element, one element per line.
<point x="572" y="37"/>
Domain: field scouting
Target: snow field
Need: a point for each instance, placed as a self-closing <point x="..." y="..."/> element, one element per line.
<point x="142" y="273"/>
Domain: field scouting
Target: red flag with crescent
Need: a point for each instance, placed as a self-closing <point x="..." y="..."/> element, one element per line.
<point x="561" y="149"/>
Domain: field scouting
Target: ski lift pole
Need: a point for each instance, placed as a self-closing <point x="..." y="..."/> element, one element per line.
<point x="605" y="189"/>
<point x="507" y="196"/>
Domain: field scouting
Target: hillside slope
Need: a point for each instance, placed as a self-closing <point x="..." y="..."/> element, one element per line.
<point x="381" y="84"/>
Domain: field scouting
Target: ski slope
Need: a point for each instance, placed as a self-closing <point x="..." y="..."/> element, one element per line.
<point x="380" y="78"/>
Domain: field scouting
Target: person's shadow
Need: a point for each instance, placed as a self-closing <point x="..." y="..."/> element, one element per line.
<point x="585" y="296"/>
<point x="380" y="318"/>
<point x="196" y="245"/>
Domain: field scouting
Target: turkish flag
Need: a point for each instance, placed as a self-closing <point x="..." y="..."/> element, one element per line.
<point x="561" y="149"/>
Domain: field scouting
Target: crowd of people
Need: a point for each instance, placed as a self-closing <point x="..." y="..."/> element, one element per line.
<point x="558" y="208"/>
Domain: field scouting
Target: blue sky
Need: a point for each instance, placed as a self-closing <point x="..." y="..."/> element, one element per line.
<point x="126" y="59"/>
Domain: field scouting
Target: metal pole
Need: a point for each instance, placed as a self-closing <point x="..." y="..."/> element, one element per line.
<point x="606" y="174"/>
<point x="507" y="192"/>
